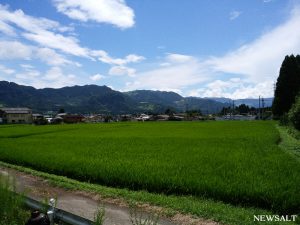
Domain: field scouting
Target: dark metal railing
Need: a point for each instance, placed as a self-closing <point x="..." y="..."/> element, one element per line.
<point x="57" y="215"/>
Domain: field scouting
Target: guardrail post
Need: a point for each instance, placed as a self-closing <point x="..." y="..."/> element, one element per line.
<point x="51" y="211"/>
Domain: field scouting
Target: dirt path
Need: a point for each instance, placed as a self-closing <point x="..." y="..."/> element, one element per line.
<point x="85" y="204"/>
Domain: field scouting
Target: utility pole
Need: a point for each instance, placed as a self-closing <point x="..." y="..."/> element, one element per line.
<point x="186" y="107"/>
<point x="259" y="107"/>
<point x="263" y="106"/>
<point x="230" y="110"/>
<point x="233" y="108"/>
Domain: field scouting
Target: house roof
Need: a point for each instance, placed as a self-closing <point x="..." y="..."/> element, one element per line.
<point x="16" y="110"/>
<point x="36" y="114"/>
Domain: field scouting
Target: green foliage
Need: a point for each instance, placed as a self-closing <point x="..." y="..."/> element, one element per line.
<point x="294" y="114"/>
<point x="61" y="110"/>
<point x="287" y="86"/>
<point x="99" y="216"/>
<point x="241" y="109"/>
<point x="290" y="140"/>
<point x="284" y="120"/>
<point x="233" y="161"/>
<point x="170" y="111"/>
<point x="11" y="211"/>
<point x="138" y="218"/>
<point x="193" y="113"/>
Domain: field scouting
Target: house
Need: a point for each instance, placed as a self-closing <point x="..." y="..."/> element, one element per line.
<point x="94" y="118"/>
<point x="236" y="117"/>
<point x="39" y="119"/>
<point x="73" y="118"/>
<point x="162" y="117"/>
<point x="37" y="116"/>
<point x="16" y="115"/>
<point x="143" y="117"/>
<point x="70" y="118"/>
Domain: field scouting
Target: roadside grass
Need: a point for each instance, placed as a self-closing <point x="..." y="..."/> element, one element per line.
<point x="187" y="205"/>
<point x="11" y="205"/>
<point x="288" y="142"/>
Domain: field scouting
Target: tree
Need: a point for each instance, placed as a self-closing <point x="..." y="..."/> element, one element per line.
<point x="243" y="109"/>
<point x="294" y="114"/>
<point x="287" y="86"/>
<point x="169" y="111"/>
<point x="61" y="110"/>
<point x="193" y="113"/>
<point x="224" y="111"/>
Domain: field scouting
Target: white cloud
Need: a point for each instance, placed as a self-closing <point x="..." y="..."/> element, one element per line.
<point x="55" y="77"/>
<point x="6" y="29"/>
<point x="27" y="66"/>
<point x="178" y="58"/>
<point x="53" y="74"/>
<point x="69" y="45"/>
<point x="132" y="58"/>
<point x="165" y="64"/>
<point x="119" y="67"/>
<point x="96" y="77"/>
<point x="234" y="88"/>
<point x="20" y="51"/>
<point x="48" y="34"/>
<point x="180" y="72"/>
<point x="6" y="70"/>
<point x="234" y="14"/>
<point x="42" y="31"/>
<point x="259" y="61"/>
<point x="29" y="52"/>
<point x="122" y="70"/>
<point x="29" y="23"/>
<point x="51" y="57"/>
<point x="256" y="64"/>
<point x="114" y="12"/>
<point x="105" y="58"/>
<point x="29" y="72"/>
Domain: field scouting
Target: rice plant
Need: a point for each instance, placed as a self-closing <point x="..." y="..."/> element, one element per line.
<point x="99" y="215"/>
<point x="236" y="162"/>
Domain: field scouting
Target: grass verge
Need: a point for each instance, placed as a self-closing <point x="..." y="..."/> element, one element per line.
<point x="203" y="208"/>
<point x="288" y="142"/>
<point x="11" y="206"/>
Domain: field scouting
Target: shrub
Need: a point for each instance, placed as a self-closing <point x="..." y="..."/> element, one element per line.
<point x="294" y="114"/>
<point x="284" y="120"/>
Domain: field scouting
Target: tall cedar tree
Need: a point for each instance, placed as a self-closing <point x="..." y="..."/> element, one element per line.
<point x="287" y="86"/>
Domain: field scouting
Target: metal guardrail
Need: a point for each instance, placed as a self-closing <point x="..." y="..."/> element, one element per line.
<point x="58" y="214"/>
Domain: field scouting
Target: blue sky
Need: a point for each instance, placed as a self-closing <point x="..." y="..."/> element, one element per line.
<point x="207" y="48"/>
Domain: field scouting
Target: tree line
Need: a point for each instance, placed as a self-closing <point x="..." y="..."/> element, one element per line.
<point x="286" y="104"/>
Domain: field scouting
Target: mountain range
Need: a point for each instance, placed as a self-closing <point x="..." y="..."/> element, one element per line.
<point x="102" y="99"/>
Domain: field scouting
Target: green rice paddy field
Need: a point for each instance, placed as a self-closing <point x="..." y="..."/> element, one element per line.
<point x="235" y="162"/>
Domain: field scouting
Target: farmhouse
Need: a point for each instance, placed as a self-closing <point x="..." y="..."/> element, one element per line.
<point x="73" y="118"/>
<point x="16" y="115"/>
<point x="69" y="118"/>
